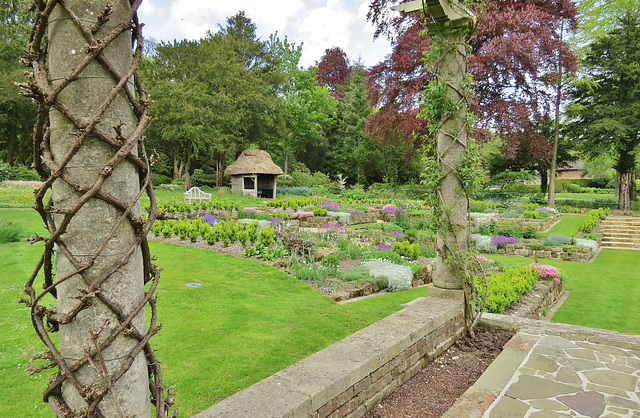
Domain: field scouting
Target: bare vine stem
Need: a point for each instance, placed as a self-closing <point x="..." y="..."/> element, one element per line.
<point x="46" y="319"/>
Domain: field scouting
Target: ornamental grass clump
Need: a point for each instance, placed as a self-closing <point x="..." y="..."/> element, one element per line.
<point x="10" y="232"/>
<point x="400" y="277"/>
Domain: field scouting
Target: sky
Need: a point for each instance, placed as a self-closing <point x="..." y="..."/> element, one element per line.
<point x="314" y="24"/>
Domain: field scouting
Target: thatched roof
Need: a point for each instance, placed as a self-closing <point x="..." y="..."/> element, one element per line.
<point x="253" y="161"/>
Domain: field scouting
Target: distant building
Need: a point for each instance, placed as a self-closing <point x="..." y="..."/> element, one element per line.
<point x="254" y="173"/>
<point x="574" y="170"/>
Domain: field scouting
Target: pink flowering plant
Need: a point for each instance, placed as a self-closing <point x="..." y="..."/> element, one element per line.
<point x="301" y="214"/>
<point x="329" y="204"/>
<point x="547" y="272"/>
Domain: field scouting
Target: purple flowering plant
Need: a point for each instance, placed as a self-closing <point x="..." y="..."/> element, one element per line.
<point x="329" y="204"/>
<point x="502" y="240"/>
<point x="383" y="247"/>
<point x="398" y="235"/>
<point x="331" y="230"/>
<point x="210" y="219"/>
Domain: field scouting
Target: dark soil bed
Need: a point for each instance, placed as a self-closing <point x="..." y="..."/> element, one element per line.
<point x="434" y="389"/>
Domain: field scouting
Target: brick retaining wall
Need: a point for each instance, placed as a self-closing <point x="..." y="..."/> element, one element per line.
<point x="350" y="377"/>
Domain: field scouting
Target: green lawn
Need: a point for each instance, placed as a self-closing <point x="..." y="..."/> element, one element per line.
<point x="604" y="294"/>
<point x="247" y="321"/>
<point x="569" y="225"/>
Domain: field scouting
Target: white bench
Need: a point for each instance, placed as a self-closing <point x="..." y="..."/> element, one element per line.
<point x="195" y="193"/>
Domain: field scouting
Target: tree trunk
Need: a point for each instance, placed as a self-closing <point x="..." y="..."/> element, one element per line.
<point x="544" y="181"/>
<point x="187" y="168"/>
<point x="556" y="133"/>
<point x="220" y="167"/>
<point x="92" y="226"/>
<point x="626" y="167"/>
<point x="12" y="139"/>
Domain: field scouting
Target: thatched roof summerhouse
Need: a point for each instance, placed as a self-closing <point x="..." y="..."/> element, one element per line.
<point x="254" y="173"/>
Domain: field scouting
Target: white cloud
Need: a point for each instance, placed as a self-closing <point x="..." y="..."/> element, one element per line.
<point x="318" y="24"/>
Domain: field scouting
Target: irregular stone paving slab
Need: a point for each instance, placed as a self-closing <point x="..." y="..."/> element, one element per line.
<point x="558" y="342"/>
<point x="568" y="370"/>
<point x="581" y="353"/>
<point x="531" y="387"/>
<point x="568" y="375"/>
<point x="590" y="404"/>
<point x="508" y="407"/>
<point x="612" y="379"/>
<point x="543" y="363"/>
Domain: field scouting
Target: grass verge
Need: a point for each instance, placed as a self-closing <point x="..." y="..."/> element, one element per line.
<point x="604" y="294"/>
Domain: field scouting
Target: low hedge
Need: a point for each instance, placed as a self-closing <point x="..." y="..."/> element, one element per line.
<point x="508" y="287"/>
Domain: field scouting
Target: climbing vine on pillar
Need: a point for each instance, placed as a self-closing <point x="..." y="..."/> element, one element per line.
<point x="452" y="162"/>
<point x="89" y="148"/>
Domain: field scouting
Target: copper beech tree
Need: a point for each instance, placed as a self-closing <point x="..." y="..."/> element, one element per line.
<point x="516" y="56"/>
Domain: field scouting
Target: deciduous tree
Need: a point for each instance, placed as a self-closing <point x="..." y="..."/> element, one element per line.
<point x="514" y="60"/>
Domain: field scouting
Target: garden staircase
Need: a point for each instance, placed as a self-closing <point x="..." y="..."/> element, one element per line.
<point x="621" y="232"/>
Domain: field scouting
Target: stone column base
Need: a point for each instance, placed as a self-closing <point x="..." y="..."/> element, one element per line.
<point x="438" y="292"/>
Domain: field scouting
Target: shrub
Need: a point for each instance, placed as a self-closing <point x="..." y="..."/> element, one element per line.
<point x="10" y="232"/>
<point x="320" y="212"/>
<point x="329" y="204"/>
<point x="574" y="188"/>
<point x="406" y="249"/>
<point x="400" y="277"/>
<point x="158" y="179"/>
<point x="546" y="271"/>
<point x="483" y="244"/>
<point x="584" y="242"/>
<point x="592" y="218"/>
<point x="508" y="286"/>
<point x="556" y="240"/>
<point x="5" y="171"/>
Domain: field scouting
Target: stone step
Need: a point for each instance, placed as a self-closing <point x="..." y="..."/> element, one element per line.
<point x="613" y="240"/>
<point x="622" y="245"/>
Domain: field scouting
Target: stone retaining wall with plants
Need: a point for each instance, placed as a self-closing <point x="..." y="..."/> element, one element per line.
<point x="550" y="253"/>
<point x="350" y="377"/>
<point x="541" y="224"/>
<point x="535" y="304"/>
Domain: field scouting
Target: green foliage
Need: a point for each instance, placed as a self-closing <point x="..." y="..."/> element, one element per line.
<point x="10" y="232"/>
<point x="406" y="249"/>
<point x="592" y="218"/>
<point x="508" y="287"/>
<point x="320" y="212"/>
<point x="267" y="236"/>
<point x="556" y="240"/>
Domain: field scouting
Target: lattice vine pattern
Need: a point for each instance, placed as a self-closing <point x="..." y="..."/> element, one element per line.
<point x="96" y="271"/>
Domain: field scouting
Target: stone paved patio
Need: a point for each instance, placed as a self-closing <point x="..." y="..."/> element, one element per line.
<point x="556" y="370"/>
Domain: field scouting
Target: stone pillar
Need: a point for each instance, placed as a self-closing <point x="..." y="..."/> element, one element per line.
<point x="90" y="228"/>
<point x="452" y="36"/>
